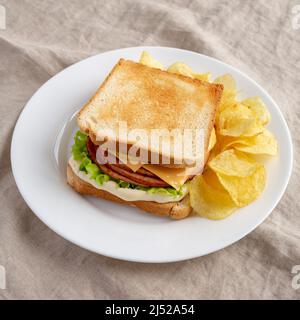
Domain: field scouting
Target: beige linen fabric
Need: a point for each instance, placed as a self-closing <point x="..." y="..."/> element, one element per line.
<point x="43" y="37"/>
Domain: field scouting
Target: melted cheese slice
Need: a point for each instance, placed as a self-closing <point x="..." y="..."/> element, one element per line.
<point x="175" y="177"/>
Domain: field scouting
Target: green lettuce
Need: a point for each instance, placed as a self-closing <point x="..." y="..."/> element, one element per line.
<point x="80" y="154"/>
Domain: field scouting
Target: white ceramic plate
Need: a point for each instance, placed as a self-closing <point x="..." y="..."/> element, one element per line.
<point x="41" y="147"/>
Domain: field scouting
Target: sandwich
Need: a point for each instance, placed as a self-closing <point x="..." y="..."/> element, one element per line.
<point x="126" y="169"/>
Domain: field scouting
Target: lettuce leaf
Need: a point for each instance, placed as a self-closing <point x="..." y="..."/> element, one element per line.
<point x="80" y="154"/>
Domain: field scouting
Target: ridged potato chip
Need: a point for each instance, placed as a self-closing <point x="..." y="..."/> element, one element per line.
<point x="209" y="201"/>
<point x="238" y="120"/>
<point x="149" y="61"/>
<point x="233" y="163"/>
<point x="257" y="106"/>
<point x="244" y="190"/>
<point x="263" y="143"/>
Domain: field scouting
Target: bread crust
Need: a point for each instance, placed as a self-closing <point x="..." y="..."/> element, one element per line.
<point x="215" y="91"/>
<point x="175" y="210"/>
<point x="216" y="87"/>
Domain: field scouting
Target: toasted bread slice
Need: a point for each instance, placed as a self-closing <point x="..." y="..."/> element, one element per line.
<point x="148" y="98"/>
<point x="175" y="210"/>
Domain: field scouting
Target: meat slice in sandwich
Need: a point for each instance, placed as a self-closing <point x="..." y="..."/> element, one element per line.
<point x="142" y="98"/>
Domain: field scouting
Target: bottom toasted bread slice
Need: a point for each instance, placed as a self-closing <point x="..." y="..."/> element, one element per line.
<point x="175" y="210"/>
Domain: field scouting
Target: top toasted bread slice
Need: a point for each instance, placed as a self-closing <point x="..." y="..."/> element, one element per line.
<point x="148" y="98"/>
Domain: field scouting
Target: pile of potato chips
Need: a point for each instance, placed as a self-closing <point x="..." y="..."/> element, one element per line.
<point x="233" y="176"/>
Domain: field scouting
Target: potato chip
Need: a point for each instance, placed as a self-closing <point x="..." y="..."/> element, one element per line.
<point x="227" y="142"/>
<point x="220" y="145"/>
<point x="244" y="190"/>
<point x="257" y="106"/>
<point x="232" y="178"/>
<point x="203" y="76"/>
<point x="227" y="81"/>
<point x="181" y="68"/>
<point x="149" y="61"/>
<point x="212" y="179"/>
<point x="233" y="163"/>
<point x="207" y="200"/>
<point x="263" y="143"/>
<point x="185" y="70"/>
<point x="228" y="98"/>
<point x="238" y="120"/>
<point x="212" y="139"/>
